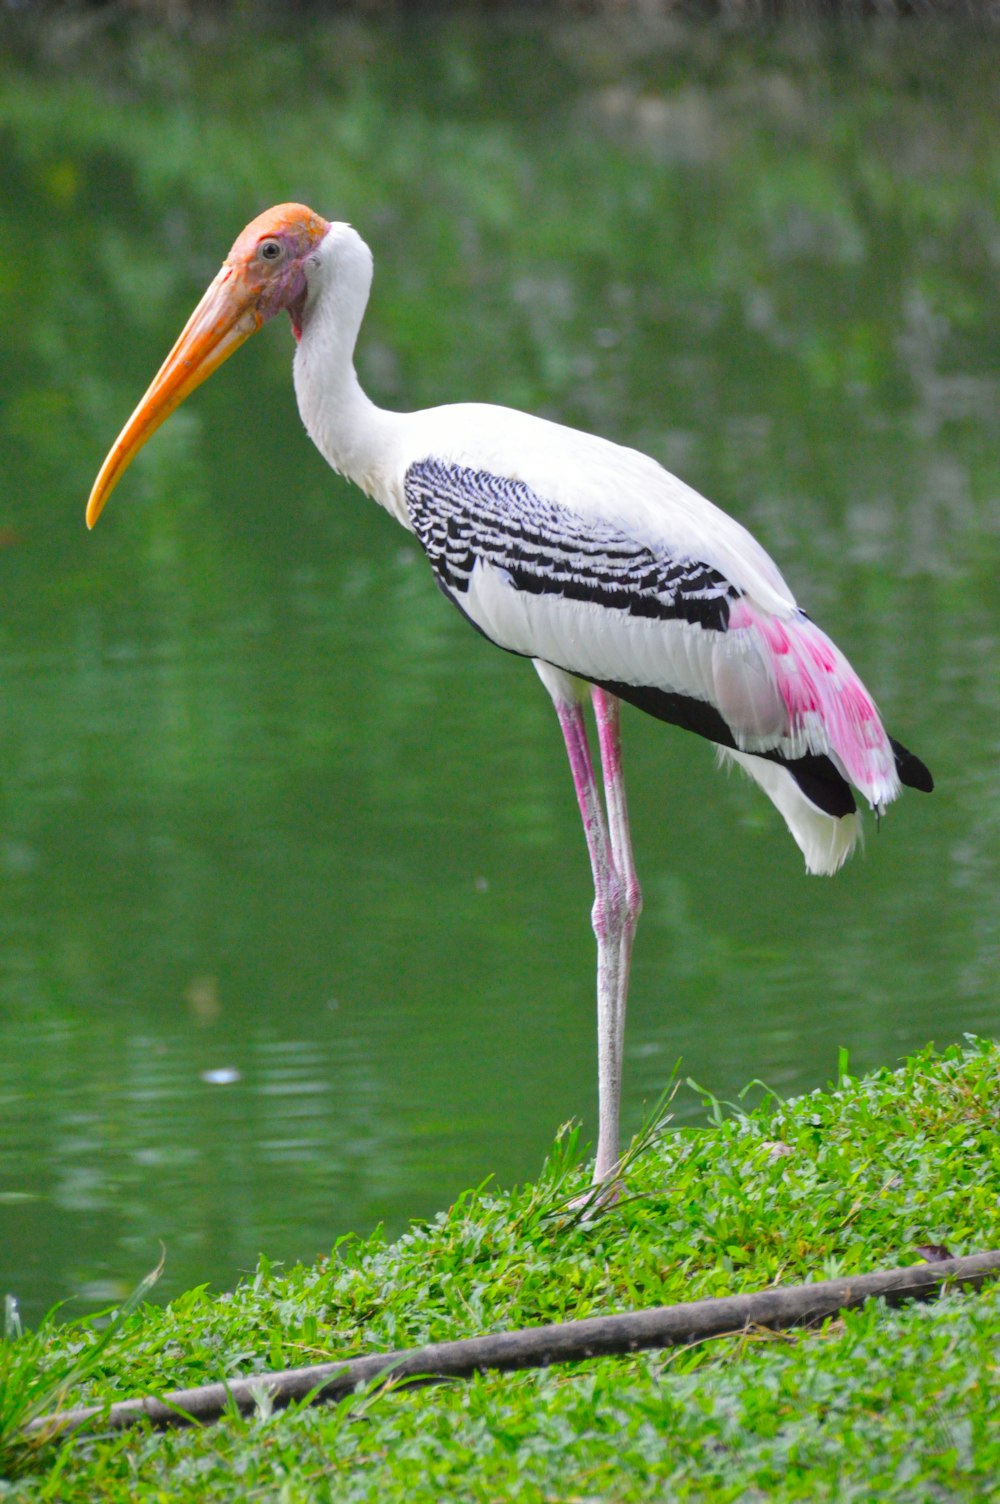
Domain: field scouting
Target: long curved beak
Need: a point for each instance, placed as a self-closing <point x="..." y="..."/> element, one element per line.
<point x="226" y="316"/>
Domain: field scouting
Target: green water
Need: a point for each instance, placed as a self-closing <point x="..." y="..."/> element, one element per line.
<point x="294" y="905"/>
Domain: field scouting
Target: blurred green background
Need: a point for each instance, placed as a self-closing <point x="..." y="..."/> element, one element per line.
<point x="294" y="904"/>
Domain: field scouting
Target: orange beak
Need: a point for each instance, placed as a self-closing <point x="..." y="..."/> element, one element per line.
<point x="226" y="316"/>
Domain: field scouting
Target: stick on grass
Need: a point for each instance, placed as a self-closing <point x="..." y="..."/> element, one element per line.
<point x="776" y="1308"/>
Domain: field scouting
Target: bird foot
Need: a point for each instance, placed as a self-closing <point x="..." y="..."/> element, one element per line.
<point x="601" y="1195"/>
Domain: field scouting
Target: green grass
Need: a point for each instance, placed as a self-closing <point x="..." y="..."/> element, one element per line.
<point x="888" y="1404"/>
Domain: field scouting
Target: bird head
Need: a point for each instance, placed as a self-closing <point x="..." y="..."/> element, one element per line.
<point x="263" y="273"/>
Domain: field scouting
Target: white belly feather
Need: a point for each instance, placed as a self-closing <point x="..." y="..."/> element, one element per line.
<point x="611" y="646"/>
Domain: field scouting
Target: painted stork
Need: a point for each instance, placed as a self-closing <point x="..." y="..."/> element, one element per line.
<point x="616" y="579"/>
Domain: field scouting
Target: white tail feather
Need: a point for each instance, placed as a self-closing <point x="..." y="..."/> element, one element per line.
<point x="826" y="841"/>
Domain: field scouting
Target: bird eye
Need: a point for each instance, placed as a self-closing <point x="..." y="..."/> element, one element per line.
<point x="270" y="249"/>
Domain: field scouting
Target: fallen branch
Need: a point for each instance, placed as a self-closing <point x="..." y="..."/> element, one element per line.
<point x="534" y="1347"/>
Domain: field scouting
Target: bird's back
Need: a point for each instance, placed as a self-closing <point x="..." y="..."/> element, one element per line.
<point x="598" y="483"/>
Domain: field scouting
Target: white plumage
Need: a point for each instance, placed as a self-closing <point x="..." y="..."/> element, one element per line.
<point x="615" y="577"/>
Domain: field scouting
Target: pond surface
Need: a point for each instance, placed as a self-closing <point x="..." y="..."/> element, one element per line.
<point x="293" y="897"/>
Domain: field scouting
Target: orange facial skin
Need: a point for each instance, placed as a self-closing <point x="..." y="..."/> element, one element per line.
<point x="263" y="274"/>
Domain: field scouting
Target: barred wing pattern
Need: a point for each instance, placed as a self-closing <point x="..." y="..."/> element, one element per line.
<point x="463" y="517"/>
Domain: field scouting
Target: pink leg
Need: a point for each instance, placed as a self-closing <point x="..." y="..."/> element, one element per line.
<point x="617" y="902"/>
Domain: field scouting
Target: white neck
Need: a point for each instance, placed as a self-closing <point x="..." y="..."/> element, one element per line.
<point x="352" y="434"/>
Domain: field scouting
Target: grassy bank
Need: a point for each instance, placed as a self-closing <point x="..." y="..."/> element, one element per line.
<point x="895" y="1404"/>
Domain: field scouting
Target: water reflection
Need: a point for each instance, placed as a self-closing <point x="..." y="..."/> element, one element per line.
<point x="294" y="899"/>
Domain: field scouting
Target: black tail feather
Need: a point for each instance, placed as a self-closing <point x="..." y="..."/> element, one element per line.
<point x="814" y="773"/>
<point x="911" y="770"/>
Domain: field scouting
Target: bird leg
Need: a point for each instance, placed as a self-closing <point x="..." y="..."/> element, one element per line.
<point x="606" y="713"/>
<point x="617" y="902"/>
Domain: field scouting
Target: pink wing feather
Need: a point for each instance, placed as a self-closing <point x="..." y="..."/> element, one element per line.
<point x="827" y="708"/>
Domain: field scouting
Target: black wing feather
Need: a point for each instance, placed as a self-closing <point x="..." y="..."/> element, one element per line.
<point x="463" y="516"/>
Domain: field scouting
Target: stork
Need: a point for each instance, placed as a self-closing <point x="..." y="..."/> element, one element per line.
<point x="615" y="578"/>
